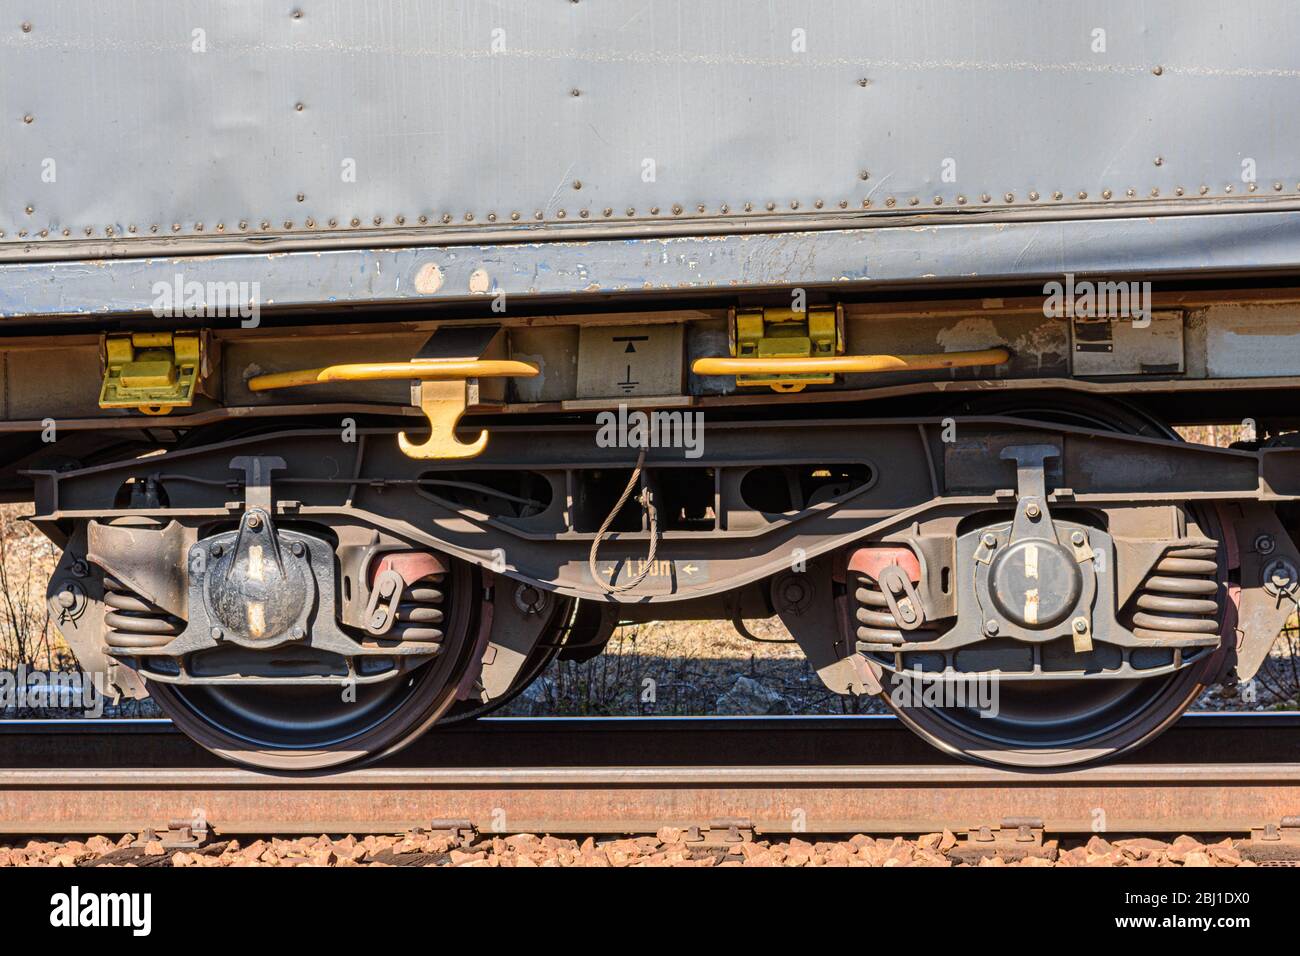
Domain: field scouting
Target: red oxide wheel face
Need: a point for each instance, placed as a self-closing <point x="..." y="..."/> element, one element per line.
<point x="313" y="727"/>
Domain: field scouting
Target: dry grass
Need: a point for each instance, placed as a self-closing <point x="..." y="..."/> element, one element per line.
<point x="27" y="559"/>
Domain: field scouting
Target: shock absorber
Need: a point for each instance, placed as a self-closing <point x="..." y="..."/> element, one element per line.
<point x="887" y="607"/>
<point x="1179" y="598"/>
<point x="133" y="623"/>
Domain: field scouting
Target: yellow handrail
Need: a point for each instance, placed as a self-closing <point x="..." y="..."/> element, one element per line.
<point x="726" y="365"/>
<point x="433" y="370"/>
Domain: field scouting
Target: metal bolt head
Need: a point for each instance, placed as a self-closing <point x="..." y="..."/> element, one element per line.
<point x="991" y="628"/>
<point x="79" y="569"/>
<point x="216" y="550"/>
<point x="67" y="598"/>
<point x="216" y="633"/>
<point x="1032" y="509"/>
<point x="1080" y="625"/>
<point x="1264" y="544"/>
<point x="990" y="539"/>
<point x="298" y="549"/>
<point x="255" y="521"/>
<point x="1077" y="537"/>
<point x="297" y="631"/>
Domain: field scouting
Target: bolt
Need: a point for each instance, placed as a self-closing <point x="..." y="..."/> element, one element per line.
<point x="217" y="550"/>
<point x="298" y="548"/>
<point x="1159" y="160"/>
<point x="990" y="628"/>
<point x="255" y="521"/>
<point x="1264" y="544"/>
<point x="990" y="539"/>
<point x="1157" y="69"/>
<point x="79" y="569"/>
<point x="1032" y="509"/>
<point x="1080" y="625"/>
<point x="26" y="27"/>
<point x="297" y="631"/>
<point x="216" y="633"/>
<point x="29" y="119"/>
<point x="67" y="598"/>
<point x="1077" y="537"/>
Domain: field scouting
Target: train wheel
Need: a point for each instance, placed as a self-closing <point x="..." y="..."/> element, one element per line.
<point x="1052" y="723"/>
<point x="304" y="726"/>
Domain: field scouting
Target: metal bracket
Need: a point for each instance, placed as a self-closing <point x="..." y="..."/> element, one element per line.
<point x="786" y="334"/>
<point x="152" y="372"/>
<point x="1015" y="839"/>
<point x="719" y="834"/>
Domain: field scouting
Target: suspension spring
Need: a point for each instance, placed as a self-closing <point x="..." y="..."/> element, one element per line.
<point x="1179" y="598"/>
<point x="134" y="623"/>
<point x="420" y="614"/>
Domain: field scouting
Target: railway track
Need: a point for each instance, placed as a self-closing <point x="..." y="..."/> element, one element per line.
<point x="1210" y="773"/>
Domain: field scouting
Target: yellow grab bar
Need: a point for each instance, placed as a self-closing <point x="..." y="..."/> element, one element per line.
<point x="435" y="370"/>
<point x="726" y="365"/>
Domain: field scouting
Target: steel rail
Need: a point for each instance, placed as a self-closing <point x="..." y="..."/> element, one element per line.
<point x="1246" y="774"/>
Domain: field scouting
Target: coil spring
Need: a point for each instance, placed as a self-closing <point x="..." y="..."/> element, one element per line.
<point x="420" y="613"/>
<point x="1179" y="597"/>
<point x="876" y="622"/>
<point x="133" y="622"/>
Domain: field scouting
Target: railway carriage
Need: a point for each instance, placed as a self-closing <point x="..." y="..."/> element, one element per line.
<point x="362" y="358"/>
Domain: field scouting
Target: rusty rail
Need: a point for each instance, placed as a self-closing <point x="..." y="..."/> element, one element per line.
<point x="1209" y="774"/>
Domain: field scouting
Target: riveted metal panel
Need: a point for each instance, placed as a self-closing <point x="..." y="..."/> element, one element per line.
<point x="129" y="125"/>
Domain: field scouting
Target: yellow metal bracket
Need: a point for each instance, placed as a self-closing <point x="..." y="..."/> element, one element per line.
<point x="781" y="334"/>
<point x="788" y="351"/>
<point x="153" y="372"/>
<point x="442" y="394"/>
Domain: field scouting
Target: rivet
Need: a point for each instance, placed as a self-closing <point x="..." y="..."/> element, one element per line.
<point x="606" y="212"/>
<point x="423" y="220"/>
<point x="492" y="217"/>
<point x="89" y="231"/>
<point x="1228" y="188"/>
<point x="818" y="204"/>
<point x="1178" y="190"/>
<point x="938" y="200"/>
<point x="794" y="204"/>
<point x="401" y="220"/>
<point x="469" y="217"/>
<point x="22" y="233"/>
<point x="29" y="118"/>
<point x="198" y="227"/>
<point x="560" y="214"/>
<point x="865" y="174"/>
<point x="1203" y="190"/>
<point x="301" y="197"/>
<point x="889" y="201"/>
<point x="1157" y="70"/>
<point x="912" y="201"/>
<point x="298" y="107"/>
<point x="1252" y="187"/>
<point x="44" y="233"/>
<point x="1082" y="194"/>
<point x="538" y="215"/>
<point x="961" y="200"/>
<point x="1159" y="160"/>
<point x="577" y="184"/>
<point x="1130" y="192"/>
<point x="985" y="197"/>
<point x="243" y="224"/>
<point x="333" y="222"/>
<point x="108" y="230"/>
<point x="30" y="210"/>
<point x="677" y="210"/>
<point x="1033" y="196"/>
<point x="575" y="92"/>
<point x="700" y="208"/>
<point x="582" y="213"/>
<point x="378" y="220"/>
<point x="1105" y="194"/>
<point x="176" y="227"/>
<point x="866" y="204"/>
<point x="26" y="27"/>
<point x="770" y="206"/>
<point x="66" y="232"/>
<point x="1155" y="191"/>
<point x="1277" y="187"/>
<point x="446" y="217"/>
<point x="631" y="211"/>
<point x="297" y="14"/>
<point x="724" y="209"/>
<point x="864" y="82"/>
<point x="1010" y="197"/>
<point x="1058" y="195"/>
<point x="311" y="223"/>
<point x="844" y="204"/>
<point x="654" y="210"/>
<point x="749" y="207"/>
